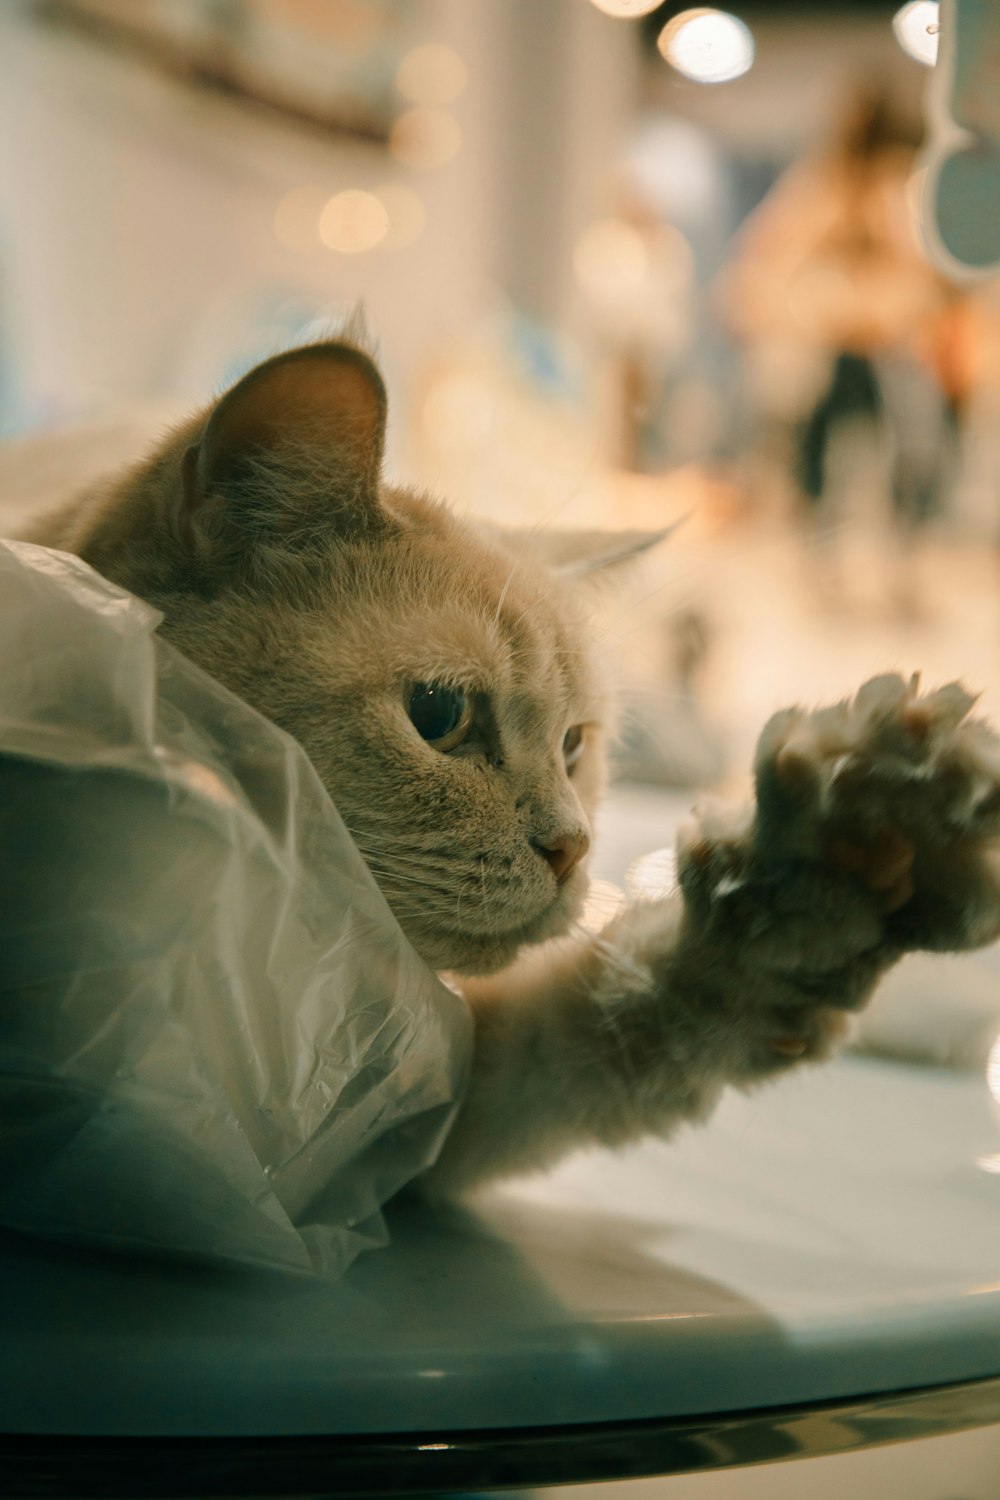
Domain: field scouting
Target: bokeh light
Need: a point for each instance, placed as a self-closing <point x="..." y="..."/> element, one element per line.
<point x="626" y="8"/>
<point x="916" y="28"/>
<point x="706" y="45"/>
<point x="425" y="137"/>
<point x="604" y="901"/>
<point x="432" y="74"/>
<point x="653" y="876"/>
<point x="353" y="221"/>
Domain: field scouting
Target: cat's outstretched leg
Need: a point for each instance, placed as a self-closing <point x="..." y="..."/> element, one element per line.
<point x="874" y="834"/>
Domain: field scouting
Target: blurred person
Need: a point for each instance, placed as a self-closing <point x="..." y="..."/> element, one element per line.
<point x="830" y="272"/>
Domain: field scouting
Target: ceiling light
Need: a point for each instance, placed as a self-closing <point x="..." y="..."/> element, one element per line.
<point x="916" y="28"/>
<point x="708" y="46"/>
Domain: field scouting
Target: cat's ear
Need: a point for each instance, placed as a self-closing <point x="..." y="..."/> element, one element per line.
<point x="583" y="554"/>
<point x="290" y="454"/>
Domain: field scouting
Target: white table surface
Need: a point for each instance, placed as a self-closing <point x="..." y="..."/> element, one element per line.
<point x="832" y="1236"/>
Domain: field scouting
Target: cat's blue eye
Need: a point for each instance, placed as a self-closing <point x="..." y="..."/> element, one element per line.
<point x="441" y="715"/>
<point x="572" y="746"/>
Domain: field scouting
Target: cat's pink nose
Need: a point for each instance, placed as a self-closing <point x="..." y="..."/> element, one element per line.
<point x="563" y="852"/>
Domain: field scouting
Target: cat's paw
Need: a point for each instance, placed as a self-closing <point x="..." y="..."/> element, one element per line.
<point x="876" y="831"/>
<point x="796" y="944"/>
<point x="899" y="794"/>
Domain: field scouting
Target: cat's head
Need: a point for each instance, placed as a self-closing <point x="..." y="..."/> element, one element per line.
<point x="440" y="676"/>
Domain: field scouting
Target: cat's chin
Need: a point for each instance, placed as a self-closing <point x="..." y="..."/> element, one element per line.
<point x="476" y="953"/>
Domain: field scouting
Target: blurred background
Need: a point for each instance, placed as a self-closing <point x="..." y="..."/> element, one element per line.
<point x="627" y="264"/>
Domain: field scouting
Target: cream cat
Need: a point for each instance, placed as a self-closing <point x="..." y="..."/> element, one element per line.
<point x="441" y="679"/>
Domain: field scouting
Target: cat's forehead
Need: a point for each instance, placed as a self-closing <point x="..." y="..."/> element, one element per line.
<point x="451" y="607"/>
<point x="521" y="644"/>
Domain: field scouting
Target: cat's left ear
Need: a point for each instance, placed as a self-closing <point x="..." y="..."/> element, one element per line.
<point x="291" y="452"/>
<point x="584" y="554"/>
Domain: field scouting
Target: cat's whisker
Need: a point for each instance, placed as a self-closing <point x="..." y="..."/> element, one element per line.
<point x="381" y="849"/>
<point x="400" y="857"/>
<point x="425" y="865"/>
<point x="397" y="876"/>
<point x="469" y="881"/>
<point x="528" y="610"/>
<point x="503" y="593"/>
<point x="393" y="876"/>
<point x="489" y="901"/>
<point x="402" y="885"/>
<point x="434" y="899"/>
<point x="545" y="520"/>
<point x="542" y="524"/>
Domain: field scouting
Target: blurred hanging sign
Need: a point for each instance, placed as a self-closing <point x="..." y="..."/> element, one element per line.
<point x="962" y="194"/>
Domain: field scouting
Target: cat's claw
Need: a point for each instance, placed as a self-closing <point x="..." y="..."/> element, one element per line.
<point x="877" y="831"/>
<point x="900" y="791"/>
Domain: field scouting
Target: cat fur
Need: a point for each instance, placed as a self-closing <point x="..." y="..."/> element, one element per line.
<point x="286" y="567"/>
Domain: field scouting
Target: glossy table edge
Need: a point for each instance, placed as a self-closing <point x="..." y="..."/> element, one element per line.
<point x="496" y="1458"/>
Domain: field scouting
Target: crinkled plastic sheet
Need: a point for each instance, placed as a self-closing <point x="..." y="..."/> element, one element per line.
<point x="215" y="1040"/>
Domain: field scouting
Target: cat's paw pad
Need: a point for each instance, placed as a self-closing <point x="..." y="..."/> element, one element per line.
<point x="883" y="863"/>
<point x="900" y="792"/>
<point x="785" y="916"/>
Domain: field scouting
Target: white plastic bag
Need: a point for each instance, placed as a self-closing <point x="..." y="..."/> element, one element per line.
<point x="215" y="1040"/>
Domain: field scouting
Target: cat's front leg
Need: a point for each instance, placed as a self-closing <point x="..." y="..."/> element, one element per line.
<point x="873" y="834"/>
